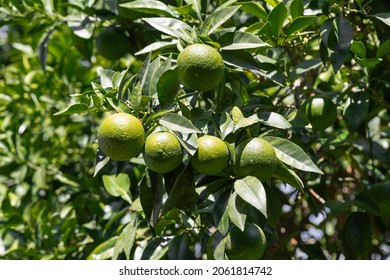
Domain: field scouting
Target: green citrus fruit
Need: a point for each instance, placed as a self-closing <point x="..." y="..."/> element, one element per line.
<point x="121" y="136"/>
<point x="321" y="112"/>
<point x="200" y="67"/>
<point x="255" y="157"/>
<point x="211" y="157"/>
<point x="112" y="43"/>
<point x="249" y="244"/>
<point x="162" y="152"/>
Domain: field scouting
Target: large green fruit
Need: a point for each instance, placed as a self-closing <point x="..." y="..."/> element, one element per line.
<point x="321" y="112"/>
<point x="249" y="244"/>
<point x="162" y="152"/>
<point x="121" y="136"/>
<point x="112" y="43"/>
<point x="200" y="67"/>
<point x="255" y="157"/>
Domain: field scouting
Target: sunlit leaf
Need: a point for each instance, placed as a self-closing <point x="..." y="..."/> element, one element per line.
<point x="251" y="190"/>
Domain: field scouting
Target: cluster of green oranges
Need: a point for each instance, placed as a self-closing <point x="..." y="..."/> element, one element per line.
<point x="121" y="137"/>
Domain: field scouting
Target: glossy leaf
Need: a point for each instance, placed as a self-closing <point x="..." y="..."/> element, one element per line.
<point x="76" y="108"/>
<point x="104" y="251"/>
<point x="156" y="249"/>
<point x="251" y="190"/>
<point x="254" y="8"/>
<point x="118" y="185"/>
<point x="178" y="123"/>
<point x="300" y="23"/>
<point x="277" y="17"/>
<point x="296" y="9"/>
<point x="172" y="27"/>
<point x="149" y="7"/>
<point x="167" y="87"/>
<point x="217" y="18"/>
<point x="291" y="154"/>
<point x="288" y="176"/>
<point x="384" y="17"/>
<point x="272" y="119"/>
<point x="383" y="49"/>
<point x="358" y="48"/>
<point x="126" y="239"/>
<point x="237" y="210"/>
<point x="241" y="41"/>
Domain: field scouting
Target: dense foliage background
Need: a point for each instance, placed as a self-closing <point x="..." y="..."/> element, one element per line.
<point x="60" y="199"/>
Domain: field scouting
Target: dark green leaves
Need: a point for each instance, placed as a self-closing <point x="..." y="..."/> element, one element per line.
<point x="357" y="108"/>
<point x="337" y="36"/>
<point x="277" y="17"/>
<point x="356" y="236"/>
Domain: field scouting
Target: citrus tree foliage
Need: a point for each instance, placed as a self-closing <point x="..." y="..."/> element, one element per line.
<point x="62" y="198"/>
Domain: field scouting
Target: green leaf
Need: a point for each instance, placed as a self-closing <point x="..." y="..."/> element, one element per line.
<point x="368" y="62"/>
<point x="220" y="211"/>
<point x="300" y="23"/>
<point x="277" y="17"/>
<point x="307" y="65"/>
<point x="160" y="70"/>
<point x="151" y="196"/>
<point x="274" y="207"/>
<point x="251" y="190"/>
<point x="273" y="3"/>
<point x="179" y="247"/>
<point x="356" y="236"/>
<point x="272" y="119"/>
<point x="157" y="46"/>
<point x="196" y="6"/>
<point x="167" y="87"/>
<point x="288" y="176"/>
<point x="383" y="49"/>
<point x="356" y="109"/>
<point x="337" y="207"/>
<point x="101" y="162"/>
<point x="77" y="108"/>
<point x="188" y="141"/>
<point x="291" y="154"/>
<point x="384" y="17"/>
<point x="340" y="45"/>
<point x="237" y="209"/>
<point x="296" y="9"/>
<point x="149" y="7"/>
<point x="178" y="123"/>
<point x="255" y="9"/>
<point x="217" y="18"/>
<point x="172" y="27"/>
<point x="169" y="218"/>
<point x="104" y="251"/>
<point x="358" y="48"/>
<point x="240" y="41"/>
<point x="118" y="185"/>
<point x="136" y="99"/>
<point x="227" y="125"/>
<point x="156" y="249"/>
<point x="126" y="239"/>
<point x="182" y="194"/>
